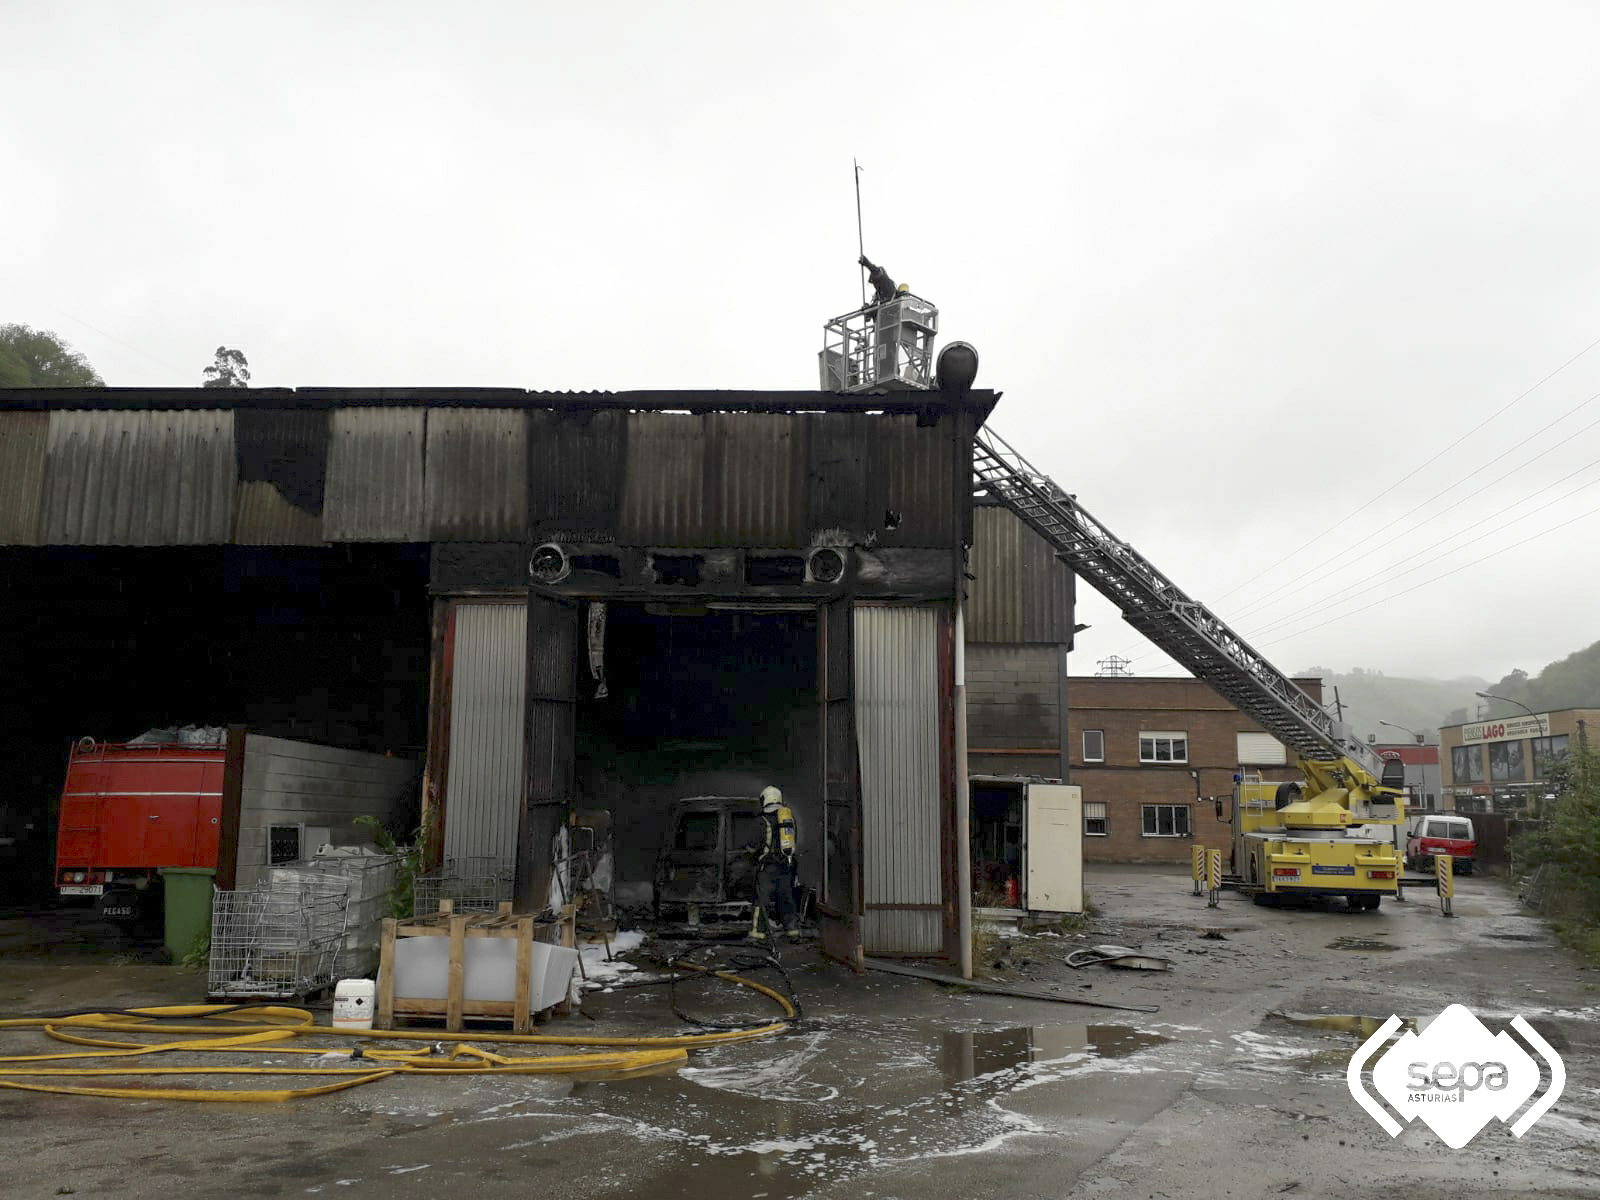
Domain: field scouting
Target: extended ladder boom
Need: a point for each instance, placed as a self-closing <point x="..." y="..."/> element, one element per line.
<point x="1188" y="631"/>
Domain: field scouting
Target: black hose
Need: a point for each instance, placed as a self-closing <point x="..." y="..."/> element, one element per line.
<point x="734" y="964"/>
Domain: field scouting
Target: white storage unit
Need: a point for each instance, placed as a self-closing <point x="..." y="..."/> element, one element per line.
<point x="1027" y="844"/>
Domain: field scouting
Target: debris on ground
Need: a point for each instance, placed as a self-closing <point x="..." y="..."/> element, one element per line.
<point x="603" y="964"/>
<point x="1123" y="957"/>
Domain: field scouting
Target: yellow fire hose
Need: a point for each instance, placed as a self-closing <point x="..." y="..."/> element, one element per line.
<point x="265" y="1029"/>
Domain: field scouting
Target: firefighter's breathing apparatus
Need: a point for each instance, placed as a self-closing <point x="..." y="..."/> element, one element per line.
<point x="269" y="1029"/>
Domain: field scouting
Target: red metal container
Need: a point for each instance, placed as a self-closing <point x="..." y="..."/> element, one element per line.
<point x="129" y="809"/>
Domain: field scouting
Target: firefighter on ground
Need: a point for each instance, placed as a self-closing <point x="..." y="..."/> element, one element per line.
<point x="775" y="872"/>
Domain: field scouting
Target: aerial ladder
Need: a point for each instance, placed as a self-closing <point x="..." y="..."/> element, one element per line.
<point x="1331" y="834"/>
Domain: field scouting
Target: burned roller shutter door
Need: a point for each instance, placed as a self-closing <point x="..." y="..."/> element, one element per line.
<point x="483" y="789"/>
<point x="840" y="906"/>
<point x="897" y="722"/>
<point x="552" y="715"/>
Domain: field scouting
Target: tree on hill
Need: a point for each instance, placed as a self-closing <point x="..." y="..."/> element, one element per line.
<point x="38" y="358"/>
<point x="228" y="370"/>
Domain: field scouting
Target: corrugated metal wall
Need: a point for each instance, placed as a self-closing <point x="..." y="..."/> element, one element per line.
<point x="483" y="787"/>
<point x="368" y="472"/>
<point x="139" y="479"/>
<point x="265" y="518"/>
<point x="661" y="492"/>
<point x="374" y="490"/>
<point x="477" y="475"/>
<point x="1021" y="593"/>
<point x="897" y="729"/>
<point x="23" y="436"/>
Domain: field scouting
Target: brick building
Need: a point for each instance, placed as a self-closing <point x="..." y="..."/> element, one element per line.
<point x="1503" y="764"/>
<point x="1153" y="755"/>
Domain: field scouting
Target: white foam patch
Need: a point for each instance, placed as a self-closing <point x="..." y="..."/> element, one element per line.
<point x="779" y="1077"/>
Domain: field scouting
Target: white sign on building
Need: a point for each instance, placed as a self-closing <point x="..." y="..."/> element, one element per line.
<point x="1507" y="730"/>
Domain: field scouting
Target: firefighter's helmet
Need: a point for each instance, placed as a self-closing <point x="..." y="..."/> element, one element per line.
<point x="771" y="798"/>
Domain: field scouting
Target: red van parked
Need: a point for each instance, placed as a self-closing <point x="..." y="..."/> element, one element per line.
<point x="1441" y="833"/>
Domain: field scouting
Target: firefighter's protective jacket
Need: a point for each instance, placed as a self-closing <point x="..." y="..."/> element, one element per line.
<point x="780" y="827"/>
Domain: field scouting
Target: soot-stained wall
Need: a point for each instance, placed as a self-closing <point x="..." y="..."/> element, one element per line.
<point x="701" y="702"/>
<point x="326" y="646"/>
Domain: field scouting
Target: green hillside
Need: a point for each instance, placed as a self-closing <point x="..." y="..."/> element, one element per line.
<point x="1419" y="704"/>
<point x="1424" y="704"/>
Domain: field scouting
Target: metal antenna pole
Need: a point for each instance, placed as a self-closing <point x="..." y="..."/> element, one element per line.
<point x="861" y="244"/>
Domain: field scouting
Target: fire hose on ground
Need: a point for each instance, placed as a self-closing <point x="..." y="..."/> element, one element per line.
<point x="269" y="1030"/>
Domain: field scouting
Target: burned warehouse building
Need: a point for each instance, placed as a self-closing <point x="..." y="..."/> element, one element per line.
<point x="600" y="603"/>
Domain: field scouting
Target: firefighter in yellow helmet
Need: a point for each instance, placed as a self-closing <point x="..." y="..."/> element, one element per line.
<point x="775" y="871"/>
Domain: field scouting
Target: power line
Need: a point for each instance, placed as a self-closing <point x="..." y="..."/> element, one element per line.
<point x="1283" y="590"/>
<point x="1443" y="575"/>
<point x="1388" y="596"/>
<point x="1359" y="546"/>
<point x="113" y="338"/>
<point x="1436" y="457"/>
<point x="1379" y="576"/>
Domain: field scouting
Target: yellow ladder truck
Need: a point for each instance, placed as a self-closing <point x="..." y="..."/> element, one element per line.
<point x="1288" y="838"/>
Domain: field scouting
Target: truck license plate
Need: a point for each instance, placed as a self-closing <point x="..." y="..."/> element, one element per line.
<point x="82" y="889"/>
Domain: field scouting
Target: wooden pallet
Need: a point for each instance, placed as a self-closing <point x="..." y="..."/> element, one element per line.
<point x="458" y="927"/>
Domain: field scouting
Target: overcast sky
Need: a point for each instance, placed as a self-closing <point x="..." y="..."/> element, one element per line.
<point x="1266" y="285"/>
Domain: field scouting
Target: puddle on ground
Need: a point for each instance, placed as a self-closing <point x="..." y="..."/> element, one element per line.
<point x="968" y="1055"/>
<point x="786" y="1115"/>
<point x="1355" y="943"/>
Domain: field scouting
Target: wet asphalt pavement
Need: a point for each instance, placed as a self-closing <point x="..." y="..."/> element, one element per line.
<point x="892" y="1087"/>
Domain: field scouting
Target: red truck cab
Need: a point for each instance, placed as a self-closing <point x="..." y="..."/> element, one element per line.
<point x="1442" y="833"/>
<point x="129" y="809"/>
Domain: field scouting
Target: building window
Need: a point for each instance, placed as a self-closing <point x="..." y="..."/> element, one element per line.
<point x="1166" y="820"/>
<point x="1466" y="764"/>
<point x="1163" y="747"/>
<point x="1546" y="753"/>
<point x="1094" y="818"/>
<point x="283" y="844"/>
<point x="1094" y="745"/>
<point x="1505" y="761"/>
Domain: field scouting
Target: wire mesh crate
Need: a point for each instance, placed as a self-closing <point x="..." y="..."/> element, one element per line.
<point x="279" y="940"/>
<point x="372" y="879"/>
<point x="470" y="884"/>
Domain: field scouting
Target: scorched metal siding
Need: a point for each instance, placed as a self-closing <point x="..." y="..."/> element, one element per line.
<point x="375" y="473"/>
<point x="663" y="498"/>
<point x="265" y="518"/>
<point x="139" y="478"/>
<point x="483" y="787"/>
<point x="1020" y="592"/>
<point x="283" y="476"/>
<point x="23" y="437"/>
<point x="897" y="728"/>
<point x="751" y="479"/>
<point x="477" y="474"/>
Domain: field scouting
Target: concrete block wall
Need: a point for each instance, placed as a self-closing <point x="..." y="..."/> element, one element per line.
<point x="1013" y="704"/>
<point x="299" y="783"/>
